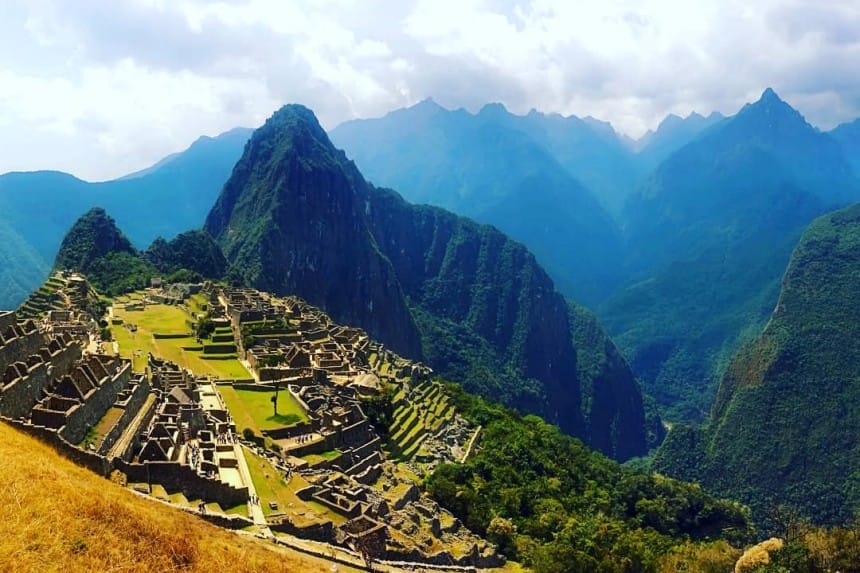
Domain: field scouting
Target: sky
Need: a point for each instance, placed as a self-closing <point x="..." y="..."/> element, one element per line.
<point x="101" y="88"/>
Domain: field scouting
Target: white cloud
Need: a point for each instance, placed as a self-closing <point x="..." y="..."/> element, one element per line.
<point x="104" y="87"/>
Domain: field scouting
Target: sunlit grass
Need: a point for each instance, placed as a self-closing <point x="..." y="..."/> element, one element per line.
<point x="253" y="409"/>
<point x="62" y="518"/>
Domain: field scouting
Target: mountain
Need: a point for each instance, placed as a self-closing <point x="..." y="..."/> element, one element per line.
<point x="848" y="136"/>
<point x="195" y="251"/>
<point x="784" y="426"/>
<point x="39" y="207"/>
<point x="96" y="247"/>
<point x="672" y="134"/>
<point x="518" y="173"/>
<point x="289" y="220"/>
<point x="708" y="235"/>
<point x="297" y="216"/>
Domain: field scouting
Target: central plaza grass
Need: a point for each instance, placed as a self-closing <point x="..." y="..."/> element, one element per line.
<point x="185" y="351"/>
<point x="253" y="408"/>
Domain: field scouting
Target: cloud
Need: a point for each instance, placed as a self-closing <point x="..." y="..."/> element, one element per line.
<point x="104" y="87"/>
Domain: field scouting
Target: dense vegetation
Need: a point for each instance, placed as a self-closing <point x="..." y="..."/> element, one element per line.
<point x="37" y="209"/>
<point x="784" y="427"/>
<point x="95" y="247"/>
<point x="194" y="251"/>
<point x="550" y="502"/>
<point x="297" y="217"/>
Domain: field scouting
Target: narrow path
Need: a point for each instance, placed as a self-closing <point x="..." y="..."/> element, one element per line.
<point x="255" y="511"/>
<point x="471" y="443"/>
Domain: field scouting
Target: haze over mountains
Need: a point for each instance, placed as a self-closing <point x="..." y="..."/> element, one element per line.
<point x="173" y="196"/>
<point x="685" y="274"/>
<point x="783" y="429"/>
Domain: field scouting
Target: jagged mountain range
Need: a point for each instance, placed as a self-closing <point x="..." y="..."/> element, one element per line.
<point x="706" y="211"/>
<point x="678" y="282"/>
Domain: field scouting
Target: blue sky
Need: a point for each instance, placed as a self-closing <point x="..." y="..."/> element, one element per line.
<point x="101" y="88"/>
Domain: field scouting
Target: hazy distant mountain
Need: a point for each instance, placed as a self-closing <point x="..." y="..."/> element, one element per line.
<point x="848" y="136"/>
<point x="673" y="133"/>
<point x="297" y="217"/>
<point x="784" y="426"/>
<point x="173" y="196"/>
<point x="515" y="172"/>
<point x="708" y="235"/>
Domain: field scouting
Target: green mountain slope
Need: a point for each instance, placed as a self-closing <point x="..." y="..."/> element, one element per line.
<point x="96" y="247"/>
<point x="708" y="236"/>
<point x="298" y="217"/>
<point x="784" y="427"/>
<point x="41" y="206"/>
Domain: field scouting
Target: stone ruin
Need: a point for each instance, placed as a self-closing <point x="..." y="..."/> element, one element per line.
<point x="171" y="435"/>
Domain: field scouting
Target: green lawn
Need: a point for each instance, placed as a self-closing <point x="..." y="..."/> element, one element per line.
<point x="167" y="319"/>
<point x="314" y="459"/>
<point x="253" y="408"/>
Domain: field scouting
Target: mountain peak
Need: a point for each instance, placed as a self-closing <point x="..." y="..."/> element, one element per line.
<point x="94" y="235"/>
<point x="494" y="109"/>
<point x="769" y="96"/>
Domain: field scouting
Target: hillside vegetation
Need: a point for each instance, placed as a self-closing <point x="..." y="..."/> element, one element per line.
<point x="96" y="247"/>
<point x="550" y="502"/>
<point x="784" y="426"/>
<point x="59" y="517"/>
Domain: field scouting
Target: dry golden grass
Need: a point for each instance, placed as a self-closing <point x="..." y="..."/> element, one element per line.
<point x="59" y="517"/>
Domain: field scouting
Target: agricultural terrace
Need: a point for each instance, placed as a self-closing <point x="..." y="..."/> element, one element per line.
<point x="253" y="408"/>
<point x="166" y="332"/>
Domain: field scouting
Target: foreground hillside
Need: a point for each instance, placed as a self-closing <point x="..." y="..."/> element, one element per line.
<point x="60" y="517"/>
<point x="784" y="427"/>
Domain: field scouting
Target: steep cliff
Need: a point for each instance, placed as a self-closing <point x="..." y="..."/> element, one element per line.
<point x="289" y="221"/>
<point x="784" y="427"/>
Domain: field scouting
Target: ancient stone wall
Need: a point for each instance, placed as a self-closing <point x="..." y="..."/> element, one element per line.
<point x="20" y="395"/>
<point x="132" y="408"/>
<point x="176" y="477"/>
<point x="86" y="415"/>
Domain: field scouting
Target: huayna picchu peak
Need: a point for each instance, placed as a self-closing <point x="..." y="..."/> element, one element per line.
<point x="297" y="217"/>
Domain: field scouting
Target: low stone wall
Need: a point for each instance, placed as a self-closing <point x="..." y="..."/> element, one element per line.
<point x="176" y="477"/>
<point x="132" y="408"/>
<point x="318" y="531"/>
<point x="290" y="431"/>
